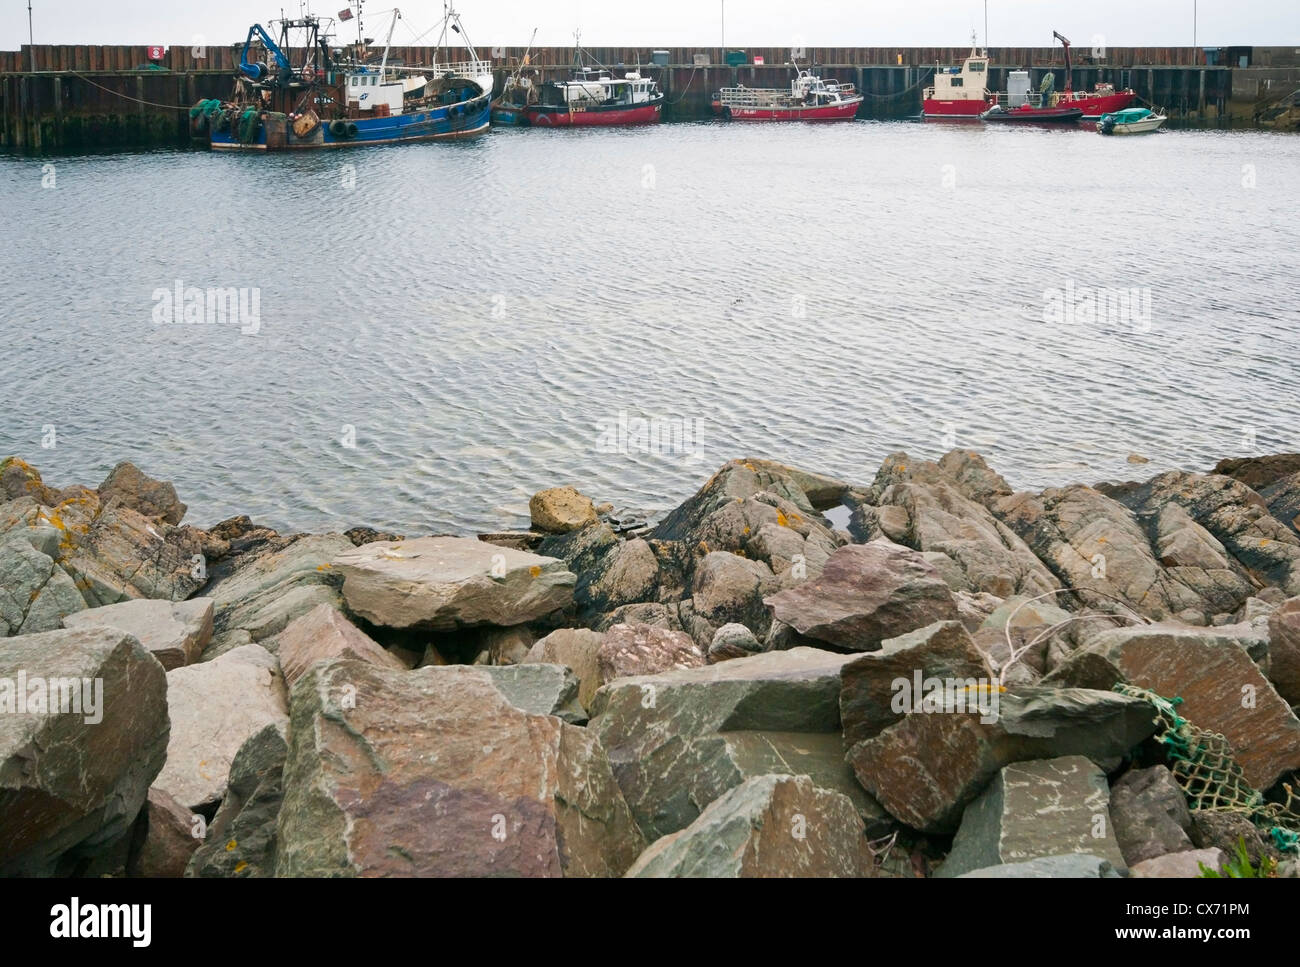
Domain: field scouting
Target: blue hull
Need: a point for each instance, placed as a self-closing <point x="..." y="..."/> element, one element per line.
<point x="463" y="120"/>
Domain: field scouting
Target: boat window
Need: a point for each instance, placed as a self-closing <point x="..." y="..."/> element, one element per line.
<point x="958" y="82"/>
<point x="977" y="67"/>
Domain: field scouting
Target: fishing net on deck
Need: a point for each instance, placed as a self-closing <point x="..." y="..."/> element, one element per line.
<point x="1203" y="765"/>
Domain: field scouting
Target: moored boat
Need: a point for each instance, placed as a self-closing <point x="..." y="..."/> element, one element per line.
<point x="1131" y="120"/>
<point x="1027" y="114"/>
<point x="962" y="93"/>
<point x="810" y="98"/>
<point x="590" y="97"/>
<point x="301" y="92"/>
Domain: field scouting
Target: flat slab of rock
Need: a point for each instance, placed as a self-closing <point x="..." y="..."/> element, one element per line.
<point x="444" y="583"/>
<point x="1036" y="809"/>
<point x="1222" y="690"/>
<point x="769" y="826"/>
<point x="866" y="594"/>
<point x="630" y="650"/>
<point x="76" y="763"/>
<point x="1184" y="865"/>
<point x="926" y="769"/>
<point x="871" y="683"/>
<point x="647" y="723"/>
<point x="1068" y="866"/>
<point x="575" y="648"/>
<point x="173" y="632"/>
<point x="434" y="772"/>
<point x="323" y="633"/>
<point x="214" y="707"/>
<point x="539" y="689"/>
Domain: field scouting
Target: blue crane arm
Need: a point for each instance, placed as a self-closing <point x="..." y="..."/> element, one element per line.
<point x="258" y="71"/>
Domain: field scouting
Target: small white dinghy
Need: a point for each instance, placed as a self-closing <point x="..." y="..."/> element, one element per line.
<point x="1131" y="120"/>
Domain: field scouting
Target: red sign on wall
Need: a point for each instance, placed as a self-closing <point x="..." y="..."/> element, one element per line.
<point x="156" y="53"/>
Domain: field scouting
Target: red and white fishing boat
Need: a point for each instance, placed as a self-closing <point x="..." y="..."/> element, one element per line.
<point x="809" y="99"/>
<point x="963" y="94"/>
<point x="591" y="97"/>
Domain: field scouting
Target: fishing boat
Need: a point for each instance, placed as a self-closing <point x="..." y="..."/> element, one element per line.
<point x="1131" y="120"/>
<point x="810" y="98"/>
<point x="961" y="93"/>
<point x="301" y="91"/>
<point x="590" y="97"/>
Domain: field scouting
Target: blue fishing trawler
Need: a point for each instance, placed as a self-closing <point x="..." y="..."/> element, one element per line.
<point x="300" y="91"/>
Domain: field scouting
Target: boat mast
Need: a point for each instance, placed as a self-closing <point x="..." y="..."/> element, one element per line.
<point x="383" y="65"/>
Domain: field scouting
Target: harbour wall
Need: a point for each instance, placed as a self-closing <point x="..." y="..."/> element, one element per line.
<point x="82" y="97"/>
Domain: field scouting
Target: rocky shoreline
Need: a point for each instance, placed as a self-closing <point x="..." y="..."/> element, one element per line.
<point x="967" y="681"/>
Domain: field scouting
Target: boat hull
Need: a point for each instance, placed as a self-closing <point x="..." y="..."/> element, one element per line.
<point x="845" y="111"/>
<point x="1093" y="106"/>
<point x="602" y="116"/>
<point x="445" y="123"/>
<point x="1035" y="115"/>
<point x="1148" y="126"/>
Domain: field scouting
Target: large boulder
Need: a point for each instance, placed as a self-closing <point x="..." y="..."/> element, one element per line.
<point x="321" y="634"/>
<point x="823" y="492"/>
<point x="1222" y="688"/>
<point x="127" y="485"/>
<point x="560" y="510"/>
<point x="435" y="772"/>
<point x="768" y="826"/>
<point x="1097" y="546"/>
<point x="1150" y="814"/>
<point x="1067" y="866"/>
<point x="1189" y="864"/>
<point x="1033" y="810"/>
<point x="873" y="683"/>
<point x="167" y="841"/>
<point x="1284" y="650"/>
<point x="83" y="733"/>
<point x="174" y="632"/>
<point x="445" y="583"/>
<point x="926" y="769"/>
<point x="576" y="649"/>
<point x="648" y="723"/>
<point x="1259" y="472"/>
<point x="730" y="589"/>
<point x="628" y="574"/>
<point x="35" y="593"/>
<point x="929" y="513"/>
<point x="866" y="594"/>
<point x="215" y="706"/>
<point x="259" y="598"/>
<point x="629" y="650"/>
<point x="241" y="838"/>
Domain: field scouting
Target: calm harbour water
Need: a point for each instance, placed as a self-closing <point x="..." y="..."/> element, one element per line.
<point x="475" y="318"/>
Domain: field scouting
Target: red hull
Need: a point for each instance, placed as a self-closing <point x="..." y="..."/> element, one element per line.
<point x="829" y="112"/>
<point x="1092" y="105"/>
<point x="559" y="117"/>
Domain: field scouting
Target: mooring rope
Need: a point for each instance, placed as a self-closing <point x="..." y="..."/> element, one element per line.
<point x="128" y="97"/>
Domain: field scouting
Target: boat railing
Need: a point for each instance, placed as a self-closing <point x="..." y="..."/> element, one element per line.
<point x="464" y="68"/>
<point x="750" y="96"/>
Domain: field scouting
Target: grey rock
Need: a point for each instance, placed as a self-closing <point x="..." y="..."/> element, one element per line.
<point x="173" y="632"/>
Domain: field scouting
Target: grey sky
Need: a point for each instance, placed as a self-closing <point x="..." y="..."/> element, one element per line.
<point x="812" y="23"/>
